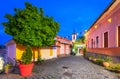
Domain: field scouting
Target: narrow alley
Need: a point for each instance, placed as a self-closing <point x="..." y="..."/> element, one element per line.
<point x="70" y="67"/>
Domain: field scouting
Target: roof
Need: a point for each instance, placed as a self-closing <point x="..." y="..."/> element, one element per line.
<point x="102" y="13"/>
<point x="63" y="40"/>
<point x="4" y="38"/>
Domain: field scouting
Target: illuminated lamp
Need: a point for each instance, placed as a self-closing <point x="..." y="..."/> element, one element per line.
<point x="85" y="34"/>
<point x="96" y="27"/>
<point x="110" y="20"/>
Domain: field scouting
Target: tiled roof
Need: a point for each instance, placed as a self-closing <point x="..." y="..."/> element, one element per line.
<point x="63" y="40"/>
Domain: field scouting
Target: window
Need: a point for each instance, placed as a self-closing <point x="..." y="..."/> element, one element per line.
<point x="91" y="43"/>
<point x="106" y="40"/>
<point x="97" y="41"/>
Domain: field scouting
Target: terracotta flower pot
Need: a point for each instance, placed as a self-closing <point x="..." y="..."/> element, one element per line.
<point x="6" y="71"/>
<point x="90" y="58"/>
<point x="26" y="69"/>
<point x="106" y="64"/>
<point x="94" y="59"/>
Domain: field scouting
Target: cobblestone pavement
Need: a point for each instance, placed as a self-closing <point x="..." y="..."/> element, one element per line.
<point x="71" y="67"/>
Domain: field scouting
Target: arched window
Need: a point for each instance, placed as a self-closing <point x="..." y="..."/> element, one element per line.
<point x="119" y="36"/>
<point x="92" y="43"/>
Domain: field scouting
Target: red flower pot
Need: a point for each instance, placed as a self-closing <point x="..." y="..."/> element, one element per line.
<point x="26" y="69"/>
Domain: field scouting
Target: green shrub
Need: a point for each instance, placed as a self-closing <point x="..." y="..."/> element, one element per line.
<point x="108" y="59"/>
<point x="115" y="66"/>
<point x="39" y="60"/>
<point x="26" y="56"/>
<point x="84" y="51"/>
<point x="99" y="61"/>
<point x="99" y="57"/>
<point x="7" y="66"/>
<point x="91" y="56"/>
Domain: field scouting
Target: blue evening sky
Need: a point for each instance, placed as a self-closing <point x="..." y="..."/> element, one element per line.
<point x="71" y="14"/>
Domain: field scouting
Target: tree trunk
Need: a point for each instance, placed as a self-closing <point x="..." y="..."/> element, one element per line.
<point x="39" y="55"/>
<point x="33" y="54"/>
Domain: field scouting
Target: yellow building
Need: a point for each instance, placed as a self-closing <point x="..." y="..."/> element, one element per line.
<point x="62" y="47"/>
<point x="15" y="51"/>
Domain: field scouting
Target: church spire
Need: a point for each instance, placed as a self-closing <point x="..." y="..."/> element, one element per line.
<point x="74" y="35"/>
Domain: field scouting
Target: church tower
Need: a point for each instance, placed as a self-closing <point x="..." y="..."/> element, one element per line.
<point x="74" y="36"/>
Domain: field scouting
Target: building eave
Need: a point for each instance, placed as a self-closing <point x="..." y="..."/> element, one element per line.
<point x="106" y="9"/>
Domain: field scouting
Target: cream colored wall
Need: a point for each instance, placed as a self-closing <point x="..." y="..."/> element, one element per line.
<point x="61" y="49"/>
<point x="45" y="53"/>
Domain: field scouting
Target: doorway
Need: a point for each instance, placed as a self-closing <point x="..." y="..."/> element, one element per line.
<point x="106" y="40"/>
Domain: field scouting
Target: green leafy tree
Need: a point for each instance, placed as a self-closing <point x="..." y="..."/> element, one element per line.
<point x="81" y="40"/>
<point x="29" y="26"/>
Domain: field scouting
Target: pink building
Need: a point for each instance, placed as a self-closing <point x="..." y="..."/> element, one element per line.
<point x="103" y="37"/>
<point x="63" y="46"/>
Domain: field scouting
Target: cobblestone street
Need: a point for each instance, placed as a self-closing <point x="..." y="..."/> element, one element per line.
<point x="71" y="67"/>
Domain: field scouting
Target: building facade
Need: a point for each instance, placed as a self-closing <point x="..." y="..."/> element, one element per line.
<point x="103" y="37"/>
<point x="63" y="46"/>
<point x="60" y="48"/>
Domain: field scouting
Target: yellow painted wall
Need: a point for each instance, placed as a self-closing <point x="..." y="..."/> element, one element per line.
<point x="45" y="53"/>
<point x="51" y="51"/>
<point x="35" y="50"/>
<point x="19" y="51"/>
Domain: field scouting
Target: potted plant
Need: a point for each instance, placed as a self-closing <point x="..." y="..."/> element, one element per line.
<point x="114" y="68"/>
<point x="94" y="59"/>
<point x="7" y="66"/>
<point x="99" y="61"/>
<point x="107" y="61"/>
<point x="26" y="65"/>
<point x="90" y="58"/>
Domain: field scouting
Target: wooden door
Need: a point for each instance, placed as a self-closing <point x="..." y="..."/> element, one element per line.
<point x="119" y="36"/>
<point x="106" y="40"/>
<point x="97" y="41"/>
<point x="91" y="43"/>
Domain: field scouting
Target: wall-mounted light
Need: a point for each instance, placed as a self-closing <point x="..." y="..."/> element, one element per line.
<point x="110" y="20"/>
<point x="96" y="27"/>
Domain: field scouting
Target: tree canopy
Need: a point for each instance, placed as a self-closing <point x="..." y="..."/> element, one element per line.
<point x="81" y="40"/>
<point x="29" y="26"/>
